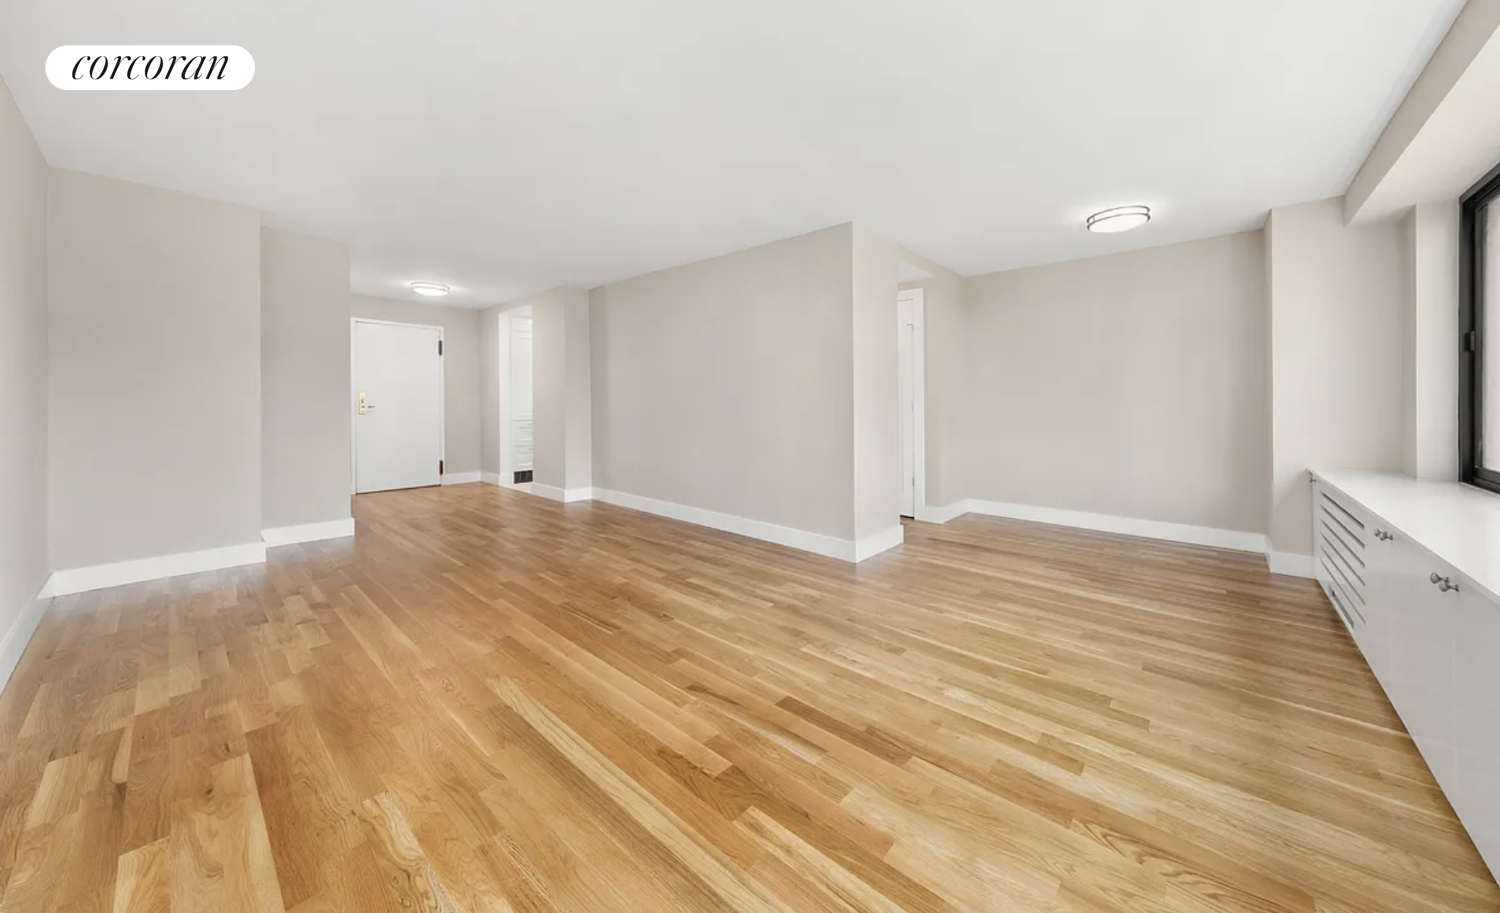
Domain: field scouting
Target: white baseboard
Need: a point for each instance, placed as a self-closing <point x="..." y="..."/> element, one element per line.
<point x="1291" y="565"/>
<point x="929" y="514"/>
<point x="79" y="580"/>
<point x="489" y="478"/>
<point x="568" y="496"/>
<point x="460" y="478"/>
<point x="13" y="646"/>
<point x="870" y="546"/>
<point x="817" y="543"/>
<point x="1285" y="563"/>
<point x="308" y="532"/>
<point x="1126" y="526"/>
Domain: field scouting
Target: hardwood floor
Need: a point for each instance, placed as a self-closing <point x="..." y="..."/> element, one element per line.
<point x="492" y="702"/>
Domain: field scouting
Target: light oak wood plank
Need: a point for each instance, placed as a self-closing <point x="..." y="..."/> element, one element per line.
<point x="493" y="703"/>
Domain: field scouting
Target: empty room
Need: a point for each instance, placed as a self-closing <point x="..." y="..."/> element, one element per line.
<point x="973" y="456"/>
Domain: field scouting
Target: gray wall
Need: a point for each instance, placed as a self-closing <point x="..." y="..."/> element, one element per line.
<point x="1429" y="405"/>
<point x="549" y="360"/>
<point x="23" y="367"/>
<point x="1337" y="298"/>
<point x="304" y="352"/>
<point x="578" y="458"/>
<point x="154" y="372"/>
<point x="1132" y="385"/>
<point x="562" y="391"/>
<point x="461" y="386"/>
<point x="877" y="428"/>
<point x="727" y="384"/>
<point x="489" y="389"/>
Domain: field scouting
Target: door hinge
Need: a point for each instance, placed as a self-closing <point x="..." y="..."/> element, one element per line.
<point x="1471" y="341"/>
<point x="440" y="467"/>
<point x="440" y="347"/>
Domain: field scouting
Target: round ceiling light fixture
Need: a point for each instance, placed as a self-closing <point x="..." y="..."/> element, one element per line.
<point x="1121" y="218"/>
<point x="430" y="289"/>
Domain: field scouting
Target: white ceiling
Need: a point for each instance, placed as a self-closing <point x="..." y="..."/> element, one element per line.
<point x="507" y="147"/>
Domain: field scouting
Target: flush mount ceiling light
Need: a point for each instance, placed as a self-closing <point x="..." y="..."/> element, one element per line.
<point x="1121" y="218"/>
<point x="430" y="289"/>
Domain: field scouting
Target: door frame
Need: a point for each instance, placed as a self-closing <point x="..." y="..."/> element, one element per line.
<point x="354" y="323"/>
<point x="503" y="367"/>
<point x="917" y="297"/>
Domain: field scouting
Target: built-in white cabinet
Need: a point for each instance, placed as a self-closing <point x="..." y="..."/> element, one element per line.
<point x="1430" y="633"/>
<point x="1477" y="686"/>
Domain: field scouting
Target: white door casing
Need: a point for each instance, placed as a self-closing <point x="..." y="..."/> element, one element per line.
<point x="398" y="427"/>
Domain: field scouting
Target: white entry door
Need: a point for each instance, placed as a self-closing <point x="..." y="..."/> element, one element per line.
<point x="905" y="337"/>
<point x="398" y="406"/>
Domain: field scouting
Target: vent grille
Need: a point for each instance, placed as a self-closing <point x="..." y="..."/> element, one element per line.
<point x="1342" y="540"/>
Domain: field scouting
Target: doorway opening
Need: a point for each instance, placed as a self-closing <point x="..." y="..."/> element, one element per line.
<point x="397" y="404"/>
<point x="515" y="420"/>
<point x="911" y="371"/>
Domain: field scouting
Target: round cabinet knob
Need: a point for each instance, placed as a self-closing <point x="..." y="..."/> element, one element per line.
<point x="1444" y="584"/>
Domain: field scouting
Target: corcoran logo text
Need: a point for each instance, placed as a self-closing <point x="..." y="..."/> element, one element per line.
<point x="123" y="66"/>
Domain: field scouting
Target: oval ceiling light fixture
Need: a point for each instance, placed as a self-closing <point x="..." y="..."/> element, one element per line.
<point x="1121" y="218"/>
<point x="430" y="289"/>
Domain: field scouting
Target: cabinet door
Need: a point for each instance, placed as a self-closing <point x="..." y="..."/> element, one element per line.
<point x="1382" y="560"/>
<point x="1403" y="671"/>
<point x="1477" y="680"/>
<point x="1424" y="624"/>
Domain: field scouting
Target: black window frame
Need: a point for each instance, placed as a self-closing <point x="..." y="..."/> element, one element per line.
<point x="1471" y="317"/>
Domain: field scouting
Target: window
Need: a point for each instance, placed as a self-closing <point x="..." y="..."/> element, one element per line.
<point x="1479" y="334"/>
